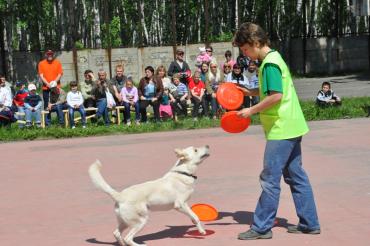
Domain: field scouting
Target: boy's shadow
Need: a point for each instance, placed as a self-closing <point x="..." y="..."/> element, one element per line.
<point x="240" y="217"/>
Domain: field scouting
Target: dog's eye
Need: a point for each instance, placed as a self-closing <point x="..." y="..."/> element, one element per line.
<point x="196" y="150"/>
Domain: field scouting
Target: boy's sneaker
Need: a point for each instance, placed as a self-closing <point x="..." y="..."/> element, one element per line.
<point x="83" y="127"/>
<point x="73" y="127"/>
<point x="28" y="124"/>
<point x="128" y="123"/>
<point x="38" y="124"/>
<point x="137" y="122"/>
<point x="298" y="230"/>
<point x="253" y="235"/>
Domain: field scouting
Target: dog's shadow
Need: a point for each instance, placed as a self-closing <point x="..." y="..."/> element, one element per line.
<point x="240" y="217"/>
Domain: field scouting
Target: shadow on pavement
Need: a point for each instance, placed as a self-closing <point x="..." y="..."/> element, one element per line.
<point x="240" y="217"/>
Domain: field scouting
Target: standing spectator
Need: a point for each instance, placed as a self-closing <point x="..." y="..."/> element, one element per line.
<point x="180" y="66"/>
<point x="229" y="60"/>
<point x="130" y="98"/>
<point x="197" y="89"/>
<point x="86" y="87"/>
<point x="284" y="125"/>
<point x="326" y="96"/>
<point x="214" y="78"/>
<point x="209" y="51"/>
<point x="150" y="92"/>
<point x="167" y="83"/>
<point x="18" y="100"/>
<point x="203" y="72"/>
<point x="50" y="69"/>
<point x="32" y="104"/>
<point x="56" y="103"/>
<point x="75" y="103"/>
<point x="179" y="99"/>
<point x="99" y="93"/>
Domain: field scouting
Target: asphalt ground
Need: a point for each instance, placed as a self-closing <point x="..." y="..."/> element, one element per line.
<point x="47" y="198"/>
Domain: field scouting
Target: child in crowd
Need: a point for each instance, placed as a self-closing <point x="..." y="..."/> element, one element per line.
<point x="75" y="103"/>
<point x="18" y="101"/>
<point x="130" y="98"/>
<point x="229" y="60"/>
<point x="326" y="96"/>
<point x="179" y="100"/>
<point x="165" y="109"/>
<point x="57" y="103"/>
<point x="202" y="57"/>
<point x="32" y="104"/>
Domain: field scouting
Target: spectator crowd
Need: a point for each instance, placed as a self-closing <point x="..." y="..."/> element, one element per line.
<point x="171" y="93"/>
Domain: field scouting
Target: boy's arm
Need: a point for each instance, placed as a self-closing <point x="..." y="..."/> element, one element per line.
<point x="272" y="99"/>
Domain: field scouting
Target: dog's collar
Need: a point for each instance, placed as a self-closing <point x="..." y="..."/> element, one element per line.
<point x="186" y="174"/>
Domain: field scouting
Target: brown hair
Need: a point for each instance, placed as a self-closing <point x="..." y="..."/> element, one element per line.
<point x="72" y="84"/>
<point x="120" y="66"/>
<point x="249" y="33"/>
<point x="161" y="68"/>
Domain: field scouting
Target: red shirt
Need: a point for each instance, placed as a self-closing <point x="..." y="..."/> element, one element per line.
<point x="197" y="87"/>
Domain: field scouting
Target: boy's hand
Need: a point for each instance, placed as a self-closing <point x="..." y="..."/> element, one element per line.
<point x="245" y="91"/>
<point x="244" y="113"/>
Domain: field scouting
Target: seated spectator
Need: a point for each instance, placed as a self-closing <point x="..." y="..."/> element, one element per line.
<point x="180" y="66"/>
<point x="197" y="89"/>
<point x="243" y="61"/>
<point x="252" y="75"/>
<point x="6" y="116"/>
<point x="204" y="71"/>
<point x="179" y="97"/>
<point x="7" y="84"/>
<point x="57" y="103"/>
<point x="75" y="103"/>
<point x="229" y="60"/>
<point x="32" y="104"/>
<point x="327" y="97"/>
<point x="99" y="93"/>
<point x="165" y="109"/>
<point x="150" y="92"/>
<point x="214" y="78"/>
<point x="227" y="70"/>
<point x="5" y="95"/>
<point x="18" y="101"/>
<point x="162" y="74"/>
<point x="130" y="98"/>
<point x="237" y="77"/>
<point x="86" y="87"/>
<point x="202" y="57"/>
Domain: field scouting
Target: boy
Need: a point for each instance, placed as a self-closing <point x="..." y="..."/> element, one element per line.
<point x="179" y="99"/>
<point x="18" y="100"/>
<point x="75" y="103"/>
<point x="32" y="104"/>
<point x="326" y="96"/>
<point x="284" y="125"/>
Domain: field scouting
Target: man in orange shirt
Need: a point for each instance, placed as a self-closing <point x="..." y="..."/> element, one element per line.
<point x="50" y="69"/>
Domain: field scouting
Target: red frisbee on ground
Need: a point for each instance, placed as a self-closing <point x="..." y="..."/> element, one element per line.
<point x="205" y="212"/>
<point x="229" y="96"/>
<point x="232" y="123"/>
<point x="197" y="233"/>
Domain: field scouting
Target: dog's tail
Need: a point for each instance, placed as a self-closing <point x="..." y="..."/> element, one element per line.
<point x="99" y="182"/>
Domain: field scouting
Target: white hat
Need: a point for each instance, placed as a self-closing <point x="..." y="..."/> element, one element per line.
<point x="31" y="87"/>
<point x="53" y="84"/>
<point x="202" y="49"/>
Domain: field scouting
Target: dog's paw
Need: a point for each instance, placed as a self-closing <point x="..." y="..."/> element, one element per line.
<point x="202" y="231"/>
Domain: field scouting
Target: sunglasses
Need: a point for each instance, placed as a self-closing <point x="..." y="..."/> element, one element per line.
<point x="209" y="50"/>
<point x="213" y="66"/>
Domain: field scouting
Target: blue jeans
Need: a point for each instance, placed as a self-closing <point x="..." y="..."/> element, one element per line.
<point x="101" y="104"/>
<point x="33" y="114"/>
<point x="58" y="108"/>
<point x="284" y="158"/>
<point x="71" y="112"/>
<point x="127" y="113"/>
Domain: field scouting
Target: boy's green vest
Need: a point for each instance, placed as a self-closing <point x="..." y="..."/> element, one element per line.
<point x="284" y="120"/>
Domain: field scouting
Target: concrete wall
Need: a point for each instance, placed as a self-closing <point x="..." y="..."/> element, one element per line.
<point x="323" y="55"/>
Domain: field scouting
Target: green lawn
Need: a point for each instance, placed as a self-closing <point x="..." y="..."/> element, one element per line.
<point x="351" y="108"/>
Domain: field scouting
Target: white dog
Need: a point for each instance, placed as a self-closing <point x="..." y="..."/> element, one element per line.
<point x="173" y="190"/>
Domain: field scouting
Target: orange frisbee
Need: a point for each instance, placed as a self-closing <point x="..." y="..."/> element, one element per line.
<point x="229" y="96"/>
<point x="205" y="212"/>
<point x="232" y="123"/>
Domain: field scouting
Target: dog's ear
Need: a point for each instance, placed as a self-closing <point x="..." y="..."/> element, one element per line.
<point x="181" y="154"/>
